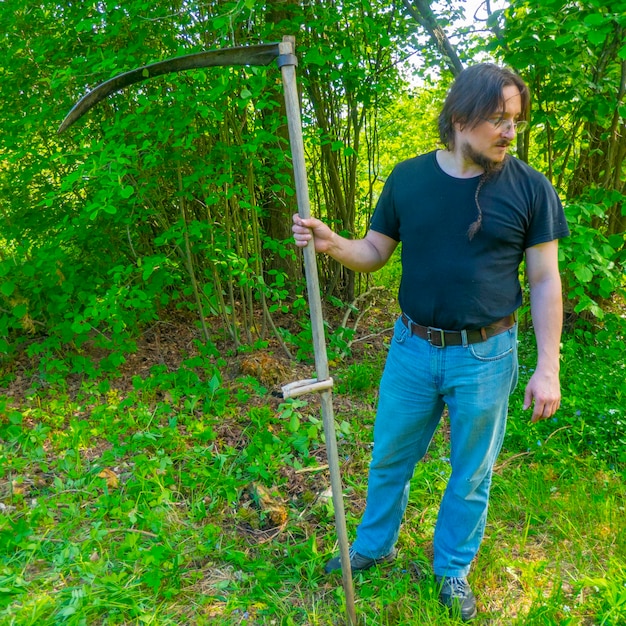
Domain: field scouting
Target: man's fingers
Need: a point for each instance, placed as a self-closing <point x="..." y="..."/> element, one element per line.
<point x="301" y="232"/>
<point x="539" y="412"/>
<point x="309" y="222"/>
<point x="544" y="410"/>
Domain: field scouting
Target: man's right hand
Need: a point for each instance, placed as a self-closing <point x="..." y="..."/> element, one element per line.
<point x="306" y="229"/>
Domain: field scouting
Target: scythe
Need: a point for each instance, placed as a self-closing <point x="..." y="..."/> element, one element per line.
<point x="264" y="54"/>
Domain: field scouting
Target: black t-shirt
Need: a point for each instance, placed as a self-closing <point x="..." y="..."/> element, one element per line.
<point x="449" y="281"/>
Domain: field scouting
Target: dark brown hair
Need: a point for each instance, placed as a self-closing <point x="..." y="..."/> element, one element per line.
<point x="475" y="95"/>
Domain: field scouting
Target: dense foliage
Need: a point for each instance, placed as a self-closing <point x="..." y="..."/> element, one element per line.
<point x="178" y="194"/>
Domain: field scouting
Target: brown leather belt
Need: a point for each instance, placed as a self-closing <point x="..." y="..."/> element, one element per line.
<point x="442" y="338"/>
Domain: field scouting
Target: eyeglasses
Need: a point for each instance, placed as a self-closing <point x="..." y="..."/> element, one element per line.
<point x="505" y="125"/>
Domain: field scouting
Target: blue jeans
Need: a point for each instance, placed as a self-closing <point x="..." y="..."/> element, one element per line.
<point x="475" y="382"/>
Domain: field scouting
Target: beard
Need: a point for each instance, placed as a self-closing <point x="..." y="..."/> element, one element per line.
<point x="489" y="166"/>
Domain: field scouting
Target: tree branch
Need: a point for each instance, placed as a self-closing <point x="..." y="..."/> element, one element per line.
<point x="421" y="12"/>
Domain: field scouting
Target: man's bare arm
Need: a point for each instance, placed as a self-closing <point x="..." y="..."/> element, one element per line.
<point x="546" y="303"/>
<point x="361" y="255"/>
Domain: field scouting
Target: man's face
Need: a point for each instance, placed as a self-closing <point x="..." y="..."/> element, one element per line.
<point x="487" y="145"/>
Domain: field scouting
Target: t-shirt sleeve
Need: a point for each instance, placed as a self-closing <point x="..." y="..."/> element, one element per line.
<point x="547" y="221"/>
<point x="385" y="218"/>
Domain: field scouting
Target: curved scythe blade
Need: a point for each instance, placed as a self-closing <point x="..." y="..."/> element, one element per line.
<point x="262" y="54"/>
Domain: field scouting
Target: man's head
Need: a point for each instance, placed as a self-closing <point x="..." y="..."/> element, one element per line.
<point x="480" y="95"/>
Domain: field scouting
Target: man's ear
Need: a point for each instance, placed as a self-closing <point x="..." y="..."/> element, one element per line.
<point x="458" y="126"/>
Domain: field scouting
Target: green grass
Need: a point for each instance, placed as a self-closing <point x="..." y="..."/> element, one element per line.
<point x="179" y="498"/>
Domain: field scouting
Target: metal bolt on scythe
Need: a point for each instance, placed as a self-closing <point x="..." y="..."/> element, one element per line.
<point x="264" y="54"/>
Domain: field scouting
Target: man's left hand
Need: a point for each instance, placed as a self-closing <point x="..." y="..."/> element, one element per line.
<point x="545" y="392"/>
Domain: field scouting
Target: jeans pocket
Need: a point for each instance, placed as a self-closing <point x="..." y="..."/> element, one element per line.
<point x="400" y="331"/>
<point x="495" y="348"/>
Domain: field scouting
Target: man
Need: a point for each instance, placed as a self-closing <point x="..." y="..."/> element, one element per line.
<point x="466" y="215"/>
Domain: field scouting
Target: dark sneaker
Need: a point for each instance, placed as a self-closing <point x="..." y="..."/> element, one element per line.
<point x="358" y="562"/>
<point x="456" y="594"/>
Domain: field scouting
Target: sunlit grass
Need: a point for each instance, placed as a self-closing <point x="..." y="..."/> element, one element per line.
<point x="183" y="501"/>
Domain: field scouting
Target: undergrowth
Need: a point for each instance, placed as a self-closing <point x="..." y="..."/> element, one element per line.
<point x="195" y="495"/>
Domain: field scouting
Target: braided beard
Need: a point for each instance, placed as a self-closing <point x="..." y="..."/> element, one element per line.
<point x="490" y="168"/>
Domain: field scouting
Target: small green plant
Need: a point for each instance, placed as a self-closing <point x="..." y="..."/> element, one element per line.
<point x="609" y="595"/>
<point x="359" y="378"/>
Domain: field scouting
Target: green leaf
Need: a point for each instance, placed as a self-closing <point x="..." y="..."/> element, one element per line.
<point x="20" y="310"/>
<point x="220" y="22"/>
<point x="84" y="26"/>
<point x="214" y="383"/>
<point x="7" y="288"/>
<point x="622" y="52"/>
<point x="79" y="327"/>
<point x="594" y="19"/>
<point x="596" y="37"/>
<point x="606" y="287"/>
<point x="294" y="422"/>
<point x="583" y="274"/>
<point x="492" y="19"/>
<point x="127" y="191"/>
<point x="313" y="57"/>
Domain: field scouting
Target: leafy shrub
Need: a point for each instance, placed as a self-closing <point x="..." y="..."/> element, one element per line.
<point x="592" y="262"/>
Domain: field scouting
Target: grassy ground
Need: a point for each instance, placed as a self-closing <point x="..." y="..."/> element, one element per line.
<point x="185" y="492"/>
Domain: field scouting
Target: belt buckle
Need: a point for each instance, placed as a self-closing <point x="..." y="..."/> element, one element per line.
<point x="438" y="332"/>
